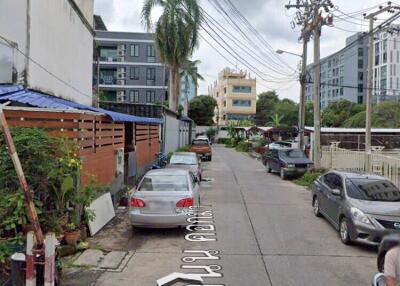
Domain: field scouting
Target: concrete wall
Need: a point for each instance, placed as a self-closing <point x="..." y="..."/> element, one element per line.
<point x="59" y="40"/>
<point x="12" y="27"/>
<point x="171" y="134"/>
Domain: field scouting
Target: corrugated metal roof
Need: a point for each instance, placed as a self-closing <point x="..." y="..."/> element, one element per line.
<point x="354" y="130"/>
<point x="4" y="89"/>
<point x="38" y="99"/>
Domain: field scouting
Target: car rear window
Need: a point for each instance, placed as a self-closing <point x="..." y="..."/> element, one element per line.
<point x="183" y="160"/>
<point x="200" y="142"/>
<point x="293" y="154"/>
<point x="372" y="190"/>
<point x="164" y="183"/>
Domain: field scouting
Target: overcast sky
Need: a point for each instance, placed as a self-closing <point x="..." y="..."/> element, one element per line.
<point x="270" y="18"/>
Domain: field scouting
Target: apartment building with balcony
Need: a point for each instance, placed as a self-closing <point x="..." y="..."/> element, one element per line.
<point x="343" y="74"/>
<point x="129" y="69"/>
<point x="236" y="95"/>
<point x="386" y="85"/>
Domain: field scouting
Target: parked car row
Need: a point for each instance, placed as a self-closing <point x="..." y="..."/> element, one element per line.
<point x="164" y="196"/>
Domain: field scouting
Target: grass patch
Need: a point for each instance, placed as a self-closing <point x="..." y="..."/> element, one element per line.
<point x="308" y="178"/>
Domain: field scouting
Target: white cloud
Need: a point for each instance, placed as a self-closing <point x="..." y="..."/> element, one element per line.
<point x="269" y="17"/>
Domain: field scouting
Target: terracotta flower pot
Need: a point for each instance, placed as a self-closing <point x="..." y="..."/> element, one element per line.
<point x="72" y="237"/>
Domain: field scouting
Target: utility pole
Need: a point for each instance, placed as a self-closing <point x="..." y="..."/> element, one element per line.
<point x="368" y="119"/>
<point x="317" y="90"/>
<point x="312" y="21"/>
<point x="302" y="101"/>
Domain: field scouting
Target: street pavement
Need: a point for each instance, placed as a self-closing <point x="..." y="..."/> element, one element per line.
<point x="266" y="234"/>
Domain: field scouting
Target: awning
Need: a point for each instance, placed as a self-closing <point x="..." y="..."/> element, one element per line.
<point x="37" y="99"/>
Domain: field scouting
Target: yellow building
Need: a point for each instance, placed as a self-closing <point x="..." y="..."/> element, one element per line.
<point x="236" y="96"/>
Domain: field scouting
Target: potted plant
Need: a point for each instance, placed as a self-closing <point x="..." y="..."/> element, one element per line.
<point x="72" y="234"/>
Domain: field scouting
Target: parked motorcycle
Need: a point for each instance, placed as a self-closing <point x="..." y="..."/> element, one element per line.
<point x="160" y="162"/>
<point x="387" y="243"/>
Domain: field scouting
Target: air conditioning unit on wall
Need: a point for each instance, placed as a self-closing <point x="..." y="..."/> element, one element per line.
<point x="121" y="82"/>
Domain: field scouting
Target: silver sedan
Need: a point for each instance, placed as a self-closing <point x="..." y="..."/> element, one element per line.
<point x="163" y="198"/>
<point x="187" y="161"/>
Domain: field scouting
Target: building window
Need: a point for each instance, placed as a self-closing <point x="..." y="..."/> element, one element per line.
<point x="108" y="76"/>
<point x="134" y="73"/>
<point x="150" y="96"/>
<point x="108" y="54"/>
<point x="151" y="76"/>
<point x="360" y="76"/>
<point x="224" y="90"/>
<point x="360" y="64"/>
<point x="360" y="52"/>
<point x="241" y="103"/>
<point x="241" y="89"/>
<point x="360" y="99"/>
<point x="134" y="50"/>
<point x="151" y="54"/>
<point x="341" y="91"/>
<point x="360" y="88"/>
<point x="134" y="96"/>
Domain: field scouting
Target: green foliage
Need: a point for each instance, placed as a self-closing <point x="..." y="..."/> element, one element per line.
<point x="169" y="155"/>
<point x="309" y="114"/>
<point x="201" y="110"/>
<point x="224" y="141"/>
<point x="185" y="148"/>
<point x="385" y="115"/>
<point x="336" y="113"/>
<point x="52" y="170"/>
<point x="211" y="133"/>
<point x="176" y="35"/>
<point x="309" y="177"/>
<point x="269" y="107"/>
<point x="244" y="146"/>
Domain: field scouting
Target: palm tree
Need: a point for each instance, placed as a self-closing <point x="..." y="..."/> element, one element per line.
<point x="176" y="36"/>
<point x="276" y="120"/>
<point x="190" y="70"/>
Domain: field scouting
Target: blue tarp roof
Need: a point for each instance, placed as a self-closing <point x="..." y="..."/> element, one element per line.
<point x="37" y="99"/>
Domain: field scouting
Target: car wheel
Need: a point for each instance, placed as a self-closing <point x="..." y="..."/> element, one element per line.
<point x="267" y="167"/>
<point x="316" y="209"/>
<point x="283" y="174"/>
<point x="344" y="231"/>
<point x="209" y="158"/>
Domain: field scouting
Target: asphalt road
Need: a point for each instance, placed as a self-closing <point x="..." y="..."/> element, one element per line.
<point x="266" y="235"/>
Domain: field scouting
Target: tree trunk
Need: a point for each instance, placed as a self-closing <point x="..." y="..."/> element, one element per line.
<point x="174" y="89"/>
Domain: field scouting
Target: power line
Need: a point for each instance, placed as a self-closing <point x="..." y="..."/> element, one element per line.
<point x="11" y="45"/>
<point x="210" y="21"/>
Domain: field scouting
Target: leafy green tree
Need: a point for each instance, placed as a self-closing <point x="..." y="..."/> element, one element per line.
<point x="266" y="104"/>
<point x="176" y="36"/>
<point x="336" y="113"/>
<point x="188" y="71"/>
<point x="276" y="120"/>
<point x="289" y="111"/>
<point x="201" y="110"/>
<point x="385" y="115"/>
<point x="309" y="114"/>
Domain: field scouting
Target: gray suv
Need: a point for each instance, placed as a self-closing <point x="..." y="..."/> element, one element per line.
<point x="361" y="207"/>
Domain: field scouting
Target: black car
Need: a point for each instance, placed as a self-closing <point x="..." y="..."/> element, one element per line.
<point x="361" y="207"/>
<point x="287" y="162"/>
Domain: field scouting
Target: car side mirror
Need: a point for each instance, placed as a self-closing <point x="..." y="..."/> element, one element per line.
<point x="336" y="192"/>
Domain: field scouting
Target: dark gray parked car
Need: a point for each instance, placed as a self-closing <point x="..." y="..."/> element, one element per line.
<point x="287" y="162"/>
<point x="361" y="207"/>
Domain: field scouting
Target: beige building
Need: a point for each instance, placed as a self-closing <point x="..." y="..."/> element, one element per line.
<point x="236" y="96"/>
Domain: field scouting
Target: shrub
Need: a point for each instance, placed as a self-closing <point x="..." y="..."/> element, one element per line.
<point x="244" y="146"/>
<point x="224" y="141"/>
<point x="309" y="177"/>
<point x="183" y="149"/>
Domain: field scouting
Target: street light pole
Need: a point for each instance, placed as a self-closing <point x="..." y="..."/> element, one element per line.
<point x="302" y="81"/>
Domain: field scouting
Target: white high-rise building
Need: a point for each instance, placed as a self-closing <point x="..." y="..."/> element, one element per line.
<point x="386" y="85"/>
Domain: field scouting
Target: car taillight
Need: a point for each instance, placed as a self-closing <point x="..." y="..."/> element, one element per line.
<point x="185" y="203"/>
<point x="136" y="203"/>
